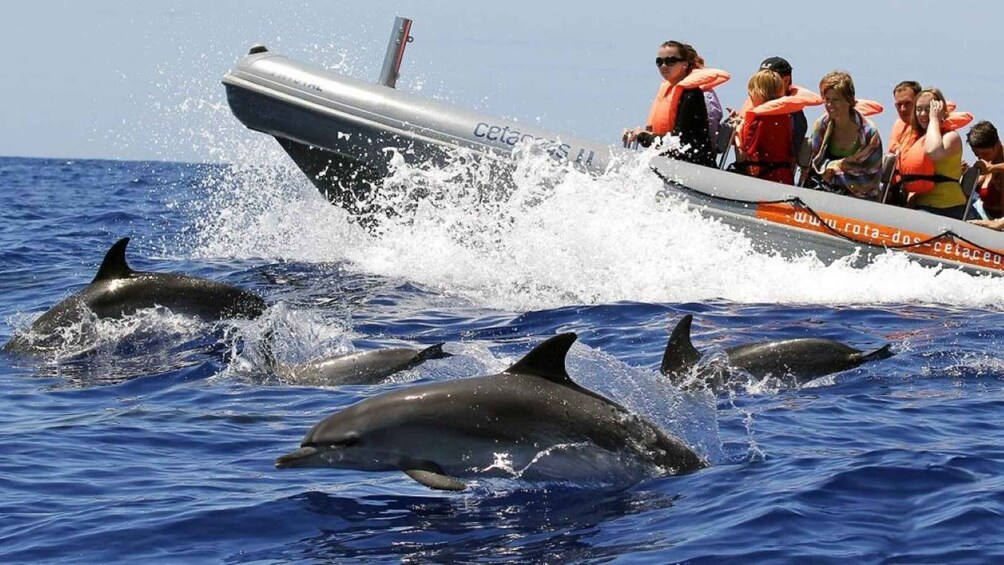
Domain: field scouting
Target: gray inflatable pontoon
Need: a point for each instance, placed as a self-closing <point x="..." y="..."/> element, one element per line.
<point x="338" y="129"/>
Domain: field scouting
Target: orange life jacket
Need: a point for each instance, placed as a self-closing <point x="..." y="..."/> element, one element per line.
<point x="903" y="136"/>
<point x="916" y="169"/>
<point x="868" y="107"/>
<point x="797" y="99"/>
<point x="806" y="96"/>
<point x="662" y="116"/>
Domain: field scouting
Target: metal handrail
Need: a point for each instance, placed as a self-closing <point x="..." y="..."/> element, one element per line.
<point x="399" y="38"/>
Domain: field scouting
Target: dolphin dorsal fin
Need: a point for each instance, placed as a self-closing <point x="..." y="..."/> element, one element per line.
<point x="883" y="352"/>
<point x="680" y="352"/>
<point x="547" y="360"/>
<point x="114" y="266"/>
<point x="433" y="352"/>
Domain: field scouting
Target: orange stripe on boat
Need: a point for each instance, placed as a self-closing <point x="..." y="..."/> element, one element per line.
<point x="877" y="234"/>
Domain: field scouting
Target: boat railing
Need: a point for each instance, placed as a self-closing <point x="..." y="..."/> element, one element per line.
<point x="889" y="162"/>
<point x="804" y="160"/>
<point x="968" y="183"/>
<point x="724" y="142"/>
<point x="400" y="37"/>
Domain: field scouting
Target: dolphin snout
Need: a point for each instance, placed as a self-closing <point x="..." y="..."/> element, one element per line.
<point x="297" y="458"/>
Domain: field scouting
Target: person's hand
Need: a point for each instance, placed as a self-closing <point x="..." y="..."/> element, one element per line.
<point x="980" y="164"/>
<point x="997" y="224"/>
<point x="828" y="174"/>
<point x="937" y="111"/>
<point x="631" y="135"/>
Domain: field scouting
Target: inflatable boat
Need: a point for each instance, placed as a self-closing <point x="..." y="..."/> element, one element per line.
<point x="341" y="131"/>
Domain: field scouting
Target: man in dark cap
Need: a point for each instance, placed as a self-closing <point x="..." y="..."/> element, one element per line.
<point x="798" y="122"/>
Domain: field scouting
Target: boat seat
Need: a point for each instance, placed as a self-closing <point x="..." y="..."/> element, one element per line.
<point x="804" y="153"/>
<point x="968" y="183"/>
<point x="889" y="162"/>
<point x="723" y="143"/>
<point x="804" y="159"/>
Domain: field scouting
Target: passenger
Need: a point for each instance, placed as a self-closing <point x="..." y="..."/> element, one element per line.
<point x="799" y="124"/>
<point x="904" y="97"/>
<point x="846" y="146"/>
<point x="986" y="145"/>
<point x="931" y="166"/>
<point x="679" y="107"/>
<point x="763" y="137"/>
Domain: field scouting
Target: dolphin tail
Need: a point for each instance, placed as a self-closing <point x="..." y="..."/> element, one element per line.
<point x="433" y="352"/>
<point x="883" y="352"/>
<point x="114" y="265"/>
<point x="680" y="353"/>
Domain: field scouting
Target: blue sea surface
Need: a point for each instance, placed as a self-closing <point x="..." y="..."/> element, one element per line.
<point x="157" y="444"/>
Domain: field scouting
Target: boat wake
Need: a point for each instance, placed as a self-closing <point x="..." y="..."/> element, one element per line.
<point x="552" y="236"/>
<point x="102" y="351"/>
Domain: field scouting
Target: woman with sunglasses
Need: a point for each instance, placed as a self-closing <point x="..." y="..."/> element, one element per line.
<point x="679" y="108"/>
<point x="930" y="167"/>
<point x="846" y="146"/>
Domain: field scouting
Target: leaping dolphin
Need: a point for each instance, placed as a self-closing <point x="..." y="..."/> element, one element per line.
<point x="796" y="361"/>
<point x="118" y="291"/>
<point x="364" y="367"/>
<point x="441" y="433"/>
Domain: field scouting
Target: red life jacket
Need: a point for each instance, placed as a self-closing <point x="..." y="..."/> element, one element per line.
<point x="765" y="137"/>
<point x="991" y="195"/>
<point x="662" y="115"/>
<point x="797" y="99"/>
<point x="766" y="140"/>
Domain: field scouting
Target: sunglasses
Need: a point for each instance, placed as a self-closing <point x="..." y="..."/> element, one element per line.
<point x="668" y="61"/>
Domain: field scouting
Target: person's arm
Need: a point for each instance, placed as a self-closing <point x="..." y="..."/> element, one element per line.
<point x="997" y="224"/>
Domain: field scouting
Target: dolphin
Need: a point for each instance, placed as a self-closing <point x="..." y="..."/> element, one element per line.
<point x="118" y="291"/>
<point x="795" y="361"/>
<point x="441" y="433"/>
<point x="362" y="368"/>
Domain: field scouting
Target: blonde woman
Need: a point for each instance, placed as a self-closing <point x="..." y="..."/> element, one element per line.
<point x="931" y="166"/>
<point x="763" y="138"/>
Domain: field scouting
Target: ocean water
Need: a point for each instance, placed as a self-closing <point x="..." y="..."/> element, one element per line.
<point x="156" y="442"/>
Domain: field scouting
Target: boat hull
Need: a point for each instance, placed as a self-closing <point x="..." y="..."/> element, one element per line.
<point x="343" y="133"/>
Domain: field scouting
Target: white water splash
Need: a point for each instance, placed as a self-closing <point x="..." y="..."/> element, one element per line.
<point x="148" y="328"/>
<point x="556" y="237"/>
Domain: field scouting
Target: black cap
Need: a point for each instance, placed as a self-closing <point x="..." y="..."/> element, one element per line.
<point x="776" y="64"/>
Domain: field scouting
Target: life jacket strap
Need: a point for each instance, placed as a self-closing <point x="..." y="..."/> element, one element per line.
<point x="743" y="167"/>
<point x="903" y="179"/>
